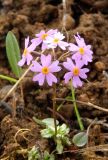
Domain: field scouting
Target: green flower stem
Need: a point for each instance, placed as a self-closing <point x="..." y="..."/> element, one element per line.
<point x="76" y="109"/>
<point x="8" y="78"/>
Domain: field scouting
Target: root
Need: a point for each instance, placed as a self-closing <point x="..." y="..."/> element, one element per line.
<point x="23" y="130"/>
<point x="6" y="158"/>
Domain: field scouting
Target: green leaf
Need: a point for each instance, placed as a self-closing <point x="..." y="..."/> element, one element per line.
<point x="65" y="140"/>
<point x="47" y="133"/>
<point x="13" y="53"/>
<point x="38" y="121"/>
<point x="49" y="122"/>
<point x="63" y="130"/>
<point x="80" y="139"/>
<point x="48" y="156"/>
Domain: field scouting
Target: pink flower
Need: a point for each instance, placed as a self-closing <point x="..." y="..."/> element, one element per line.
<point x="46" y="70"/>
<point x="26" y="56"/>
<point x="75" y="72"/>
<point x="56" y="40"/>
<point x="81" y="51"/>
<point x="41" y="37"/>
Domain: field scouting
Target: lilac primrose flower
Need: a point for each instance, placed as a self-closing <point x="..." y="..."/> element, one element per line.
<point x="56" y="40"/>
<point x="81" y="50"/>
<point x="41" y="37"/>
<point x="26" y="56"/>
<point x="46" y="70"/>
<point x="75" y="72"/>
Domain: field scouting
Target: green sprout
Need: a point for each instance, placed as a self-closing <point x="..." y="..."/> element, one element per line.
<point x="36" y="154"/>
<point x="48" y="156"/>
<point x="61" y="138"/>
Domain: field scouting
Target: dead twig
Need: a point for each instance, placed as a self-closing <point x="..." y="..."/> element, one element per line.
<point x="84" y="103"/>
<point x="16" y="84"/>
<point x="101" y="122"/>
<point x="21" y="130"/>
<point x="59" y="115"/>
<point x="103" y="148"/>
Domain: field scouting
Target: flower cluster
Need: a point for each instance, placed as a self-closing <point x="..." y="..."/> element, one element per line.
<point x="46" y="68"/>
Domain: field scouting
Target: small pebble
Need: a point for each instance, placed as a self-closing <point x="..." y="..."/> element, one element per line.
<point x="100" y="66"/>
<point x="83" y="98"/>
<point x="5" y="109"/>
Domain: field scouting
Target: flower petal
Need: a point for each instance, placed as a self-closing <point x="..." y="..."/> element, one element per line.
<point x="59" y="36"/>
<point x="45" y="60"/>
<point x="73" y="47"/>
<point x="40" y="34"/>
<point x="62" y="45"/>
<point x="52" y="31"/>
<point x="26" y="42"/>
<point x="40" y="78"/>
<point x="32" y="47"/>
<point x="79" y="63"/>
<point x="22" y="61"/>
<point x="29" y="58"/>
<point x="76" y="56"/>
<point x="69" y="64"/>
<point x="54" y="67"/>
<point x="68" y="76"/>
<point x="80" y="41"/>
<point x="88" y="51"/>
<point x="83" y="72"/>
<point x="50" y="79"/>
<point x="52" y="45"/>
<point x="44" y="46"/>
<point x="37" y="41"/>
<point x="86" y="58"/>
<point x="36" y="67"/>
<point x="76" y="81"/>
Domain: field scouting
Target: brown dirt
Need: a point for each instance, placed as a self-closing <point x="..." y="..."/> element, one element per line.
<point x="19" y="133"/>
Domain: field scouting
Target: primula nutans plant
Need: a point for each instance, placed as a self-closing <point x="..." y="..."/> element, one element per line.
<point x="46" y="69"/>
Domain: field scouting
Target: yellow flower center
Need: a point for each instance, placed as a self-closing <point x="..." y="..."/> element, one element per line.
<point x="56" y="40"/>
<point x="81" y="50"/>
<point x="44" y="36"/>
<point x="76" y="71"/>
<point x="25" y="52"/>
<point x="45" y="70"/>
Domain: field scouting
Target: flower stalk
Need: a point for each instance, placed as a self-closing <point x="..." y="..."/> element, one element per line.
<point x="76" y="109"/>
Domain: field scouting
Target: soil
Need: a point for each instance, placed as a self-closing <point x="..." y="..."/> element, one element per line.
<point x="18" y="131"/>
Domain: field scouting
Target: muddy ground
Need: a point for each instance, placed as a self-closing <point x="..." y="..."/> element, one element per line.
<point x="27" y="17"/>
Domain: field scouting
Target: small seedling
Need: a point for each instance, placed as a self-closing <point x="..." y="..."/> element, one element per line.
<point x="36" y="154"/>
<point x="61" y="138"/>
